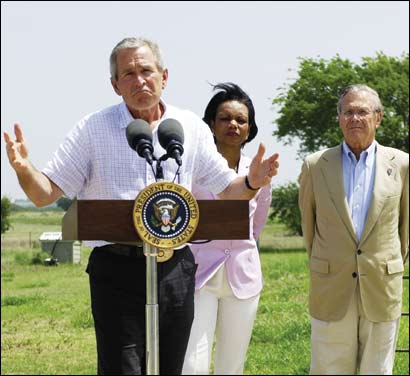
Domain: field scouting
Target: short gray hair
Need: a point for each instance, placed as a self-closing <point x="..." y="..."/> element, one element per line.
<point x="378" y="107"/>
<point x="134" y="43"/>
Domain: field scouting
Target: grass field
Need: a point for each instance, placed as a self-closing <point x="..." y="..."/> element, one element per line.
<point x="47" y="326"/>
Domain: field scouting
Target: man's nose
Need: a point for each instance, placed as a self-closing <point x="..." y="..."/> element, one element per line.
<point x="140" y="80"/>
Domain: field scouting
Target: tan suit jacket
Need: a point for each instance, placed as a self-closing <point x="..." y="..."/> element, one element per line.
<point x="337" y="260"/>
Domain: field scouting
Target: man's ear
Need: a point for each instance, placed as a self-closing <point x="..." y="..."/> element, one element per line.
<point x="115" y="86"/>
<point x="164" y="78"/>
<point x="379" y="117"/>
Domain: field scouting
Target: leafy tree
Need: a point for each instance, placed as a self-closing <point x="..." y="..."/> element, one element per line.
<point x="64" y="203"/>
<point x="5" y="213"/>
<point x="285" y="207"/>
<point x="308" y="105"/>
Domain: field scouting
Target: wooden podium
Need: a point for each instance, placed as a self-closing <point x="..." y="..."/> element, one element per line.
<point x="112" y="220"/>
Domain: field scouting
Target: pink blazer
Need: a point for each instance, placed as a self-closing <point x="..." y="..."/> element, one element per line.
<point x="241" y="257"/>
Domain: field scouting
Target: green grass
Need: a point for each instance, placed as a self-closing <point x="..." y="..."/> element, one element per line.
<point x="280" y="338"/>
<point x="47" y="327"/>
<point x="275" y="237"/>
<point x="46" y="323"/>
<point x="27" y="226"/>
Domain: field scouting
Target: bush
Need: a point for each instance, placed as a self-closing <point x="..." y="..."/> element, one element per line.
<point x="5" y="214"/>
<point x="64" y="203"/>
<point x="285" y="207"/>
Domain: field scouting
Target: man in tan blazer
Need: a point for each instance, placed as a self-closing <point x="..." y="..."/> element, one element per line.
<point x="354" y="201"/>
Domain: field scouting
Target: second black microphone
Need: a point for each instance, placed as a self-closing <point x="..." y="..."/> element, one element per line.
<point x="171" y="138"/>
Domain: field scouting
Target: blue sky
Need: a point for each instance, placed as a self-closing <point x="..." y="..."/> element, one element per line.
<point x="54" y="58"/>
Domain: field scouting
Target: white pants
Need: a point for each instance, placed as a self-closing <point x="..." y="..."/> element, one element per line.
<point x="219" y="312"/>
<point x="342" y="347"/>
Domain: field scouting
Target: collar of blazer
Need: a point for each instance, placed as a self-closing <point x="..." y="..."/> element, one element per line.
<point x="385" y="185"/>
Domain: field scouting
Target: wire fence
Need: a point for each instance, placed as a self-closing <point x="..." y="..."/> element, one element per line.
<point x="18" y="240"/>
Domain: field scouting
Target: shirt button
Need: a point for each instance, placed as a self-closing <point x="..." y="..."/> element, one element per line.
<point x="227" y="251"/>
<point x="354" y="274"/>
<point x="359" y="251"/>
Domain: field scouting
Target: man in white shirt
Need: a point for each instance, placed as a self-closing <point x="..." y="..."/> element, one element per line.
<point x="95" y="162"/>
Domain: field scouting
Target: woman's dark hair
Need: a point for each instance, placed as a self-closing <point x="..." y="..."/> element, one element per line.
<point x="228" y="91"/>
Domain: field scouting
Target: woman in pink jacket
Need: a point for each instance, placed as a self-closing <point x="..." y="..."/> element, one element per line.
<point x="229" y="277"/>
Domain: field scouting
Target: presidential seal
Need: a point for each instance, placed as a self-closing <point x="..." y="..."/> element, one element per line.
<point x="165" y="215"/>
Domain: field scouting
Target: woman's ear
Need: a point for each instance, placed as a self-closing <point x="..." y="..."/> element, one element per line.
<point x="212" y="127"/>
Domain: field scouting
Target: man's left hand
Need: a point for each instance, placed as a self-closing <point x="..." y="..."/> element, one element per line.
<point x="262" y="170"/>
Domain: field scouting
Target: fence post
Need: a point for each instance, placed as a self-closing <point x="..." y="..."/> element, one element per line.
<point x="405" y="277"/>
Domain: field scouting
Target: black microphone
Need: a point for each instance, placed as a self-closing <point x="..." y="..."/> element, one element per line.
<point x="139" y="137"/>
<point x="171" y="138"/>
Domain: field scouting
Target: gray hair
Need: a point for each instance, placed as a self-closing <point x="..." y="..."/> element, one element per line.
<point x="378" y="107"/>
<point x="134" y="43"/>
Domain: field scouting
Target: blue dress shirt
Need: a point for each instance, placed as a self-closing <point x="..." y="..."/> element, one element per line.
<point x="358" y="179"/>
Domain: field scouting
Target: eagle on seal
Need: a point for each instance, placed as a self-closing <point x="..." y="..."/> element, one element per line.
<point x="165" y="214"/>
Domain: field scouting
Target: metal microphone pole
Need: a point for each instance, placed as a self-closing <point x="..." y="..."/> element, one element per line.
<point x="152" y="311"/>
<point x="151" y="307"/>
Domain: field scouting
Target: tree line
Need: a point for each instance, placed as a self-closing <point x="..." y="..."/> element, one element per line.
<point x="63" y="203"/>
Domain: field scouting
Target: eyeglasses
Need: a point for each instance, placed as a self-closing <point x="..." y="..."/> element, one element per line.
<point x="359" y="113"/>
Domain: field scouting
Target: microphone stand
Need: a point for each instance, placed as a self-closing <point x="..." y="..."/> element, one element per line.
<point x="152" y="311"/>
<point x="152" y="307"/>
